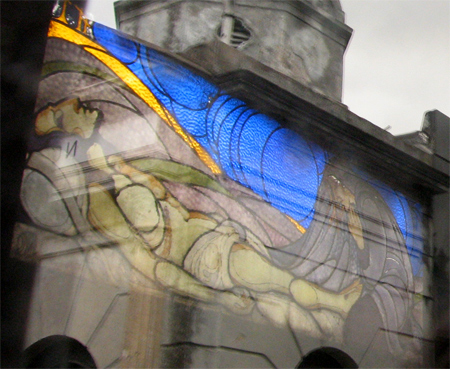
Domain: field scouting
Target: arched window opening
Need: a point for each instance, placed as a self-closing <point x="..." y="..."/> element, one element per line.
<point x="327" y="357"/>
<point x="57" y="352"/>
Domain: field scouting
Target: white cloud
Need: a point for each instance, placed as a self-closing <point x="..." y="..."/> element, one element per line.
<point x="398" y="61"/>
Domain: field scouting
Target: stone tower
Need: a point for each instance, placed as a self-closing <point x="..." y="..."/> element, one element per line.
<point x="302" y="39"/>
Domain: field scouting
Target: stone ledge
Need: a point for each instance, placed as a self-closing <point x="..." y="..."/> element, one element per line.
<point x="286" y="99"/>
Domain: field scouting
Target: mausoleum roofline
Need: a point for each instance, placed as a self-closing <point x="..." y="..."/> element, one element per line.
<point x="288" y="100"/>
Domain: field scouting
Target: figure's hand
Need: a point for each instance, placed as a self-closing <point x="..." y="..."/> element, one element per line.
<point x="146" y="179"/>
<point x="346" y="198"/>
<point x="97" y="160"/>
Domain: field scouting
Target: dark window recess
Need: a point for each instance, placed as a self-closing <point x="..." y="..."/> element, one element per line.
<point x="57" y="10"/>
<point x="233" y="32"/>
<point x="72" y="15"/>
<point x="327" y="357"/>
<point x="57" y="352"/>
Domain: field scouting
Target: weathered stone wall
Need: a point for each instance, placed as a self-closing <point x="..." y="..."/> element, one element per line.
<point x="296" y="38"/>
<point x="139" y="296"/>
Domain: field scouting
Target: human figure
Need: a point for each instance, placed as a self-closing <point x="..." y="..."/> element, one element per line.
<point x="190" y="252"/>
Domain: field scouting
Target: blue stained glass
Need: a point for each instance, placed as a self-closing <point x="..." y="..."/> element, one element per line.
<point x="275" y="165"/>
<point x="185" y="94"/>
<point x="284" y="153"/>
<point x="235" y="140"/>
<point x="218" y="112"/>
<point x="226" y="156"/>
<point x="192" y="93"/>
<point x="415" y="240"/>
<point x="408" y="217"/>
<point x="399" y="207"/>
<point x="243" y="142"/>
<point x="121" y="47"/>
<point x="251" y="148"/>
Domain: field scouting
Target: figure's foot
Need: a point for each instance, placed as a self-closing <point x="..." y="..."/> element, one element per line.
<point x="311" y="296"/>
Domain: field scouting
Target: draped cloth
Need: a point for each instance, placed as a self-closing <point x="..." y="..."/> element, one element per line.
<point x="328" y="253"/>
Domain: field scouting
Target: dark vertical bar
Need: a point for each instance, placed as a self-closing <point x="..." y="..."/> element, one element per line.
<point x="438" y="128"/>
<point x="24" y="27"/>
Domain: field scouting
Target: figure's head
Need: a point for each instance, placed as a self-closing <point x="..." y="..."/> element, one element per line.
<point x="69" y="116"/>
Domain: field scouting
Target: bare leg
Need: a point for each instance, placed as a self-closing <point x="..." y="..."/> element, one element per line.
<point x="251" y="270"/>
<point x="247" y="267"/>
<point x="171" y="276"/>
<point x="106" y="217"/>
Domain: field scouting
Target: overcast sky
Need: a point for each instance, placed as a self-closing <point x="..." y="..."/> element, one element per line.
<point x="397" y="65"/>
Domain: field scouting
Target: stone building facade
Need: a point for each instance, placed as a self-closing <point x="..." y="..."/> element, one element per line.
<point x="206" y="200"/>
